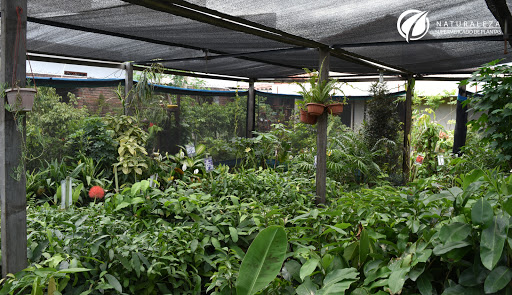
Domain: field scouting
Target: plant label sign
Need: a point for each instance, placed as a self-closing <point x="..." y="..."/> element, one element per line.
<point x="208" y="164"/>
<point x="440" y="160"/>
<point x="191" y="150"/>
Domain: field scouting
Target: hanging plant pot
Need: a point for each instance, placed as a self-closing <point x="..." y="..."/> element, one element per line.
<point x="20" y="99"/>
<point x="315" y="109"/>
<point x="335" y="108"/>
<point x="307" y="118"/>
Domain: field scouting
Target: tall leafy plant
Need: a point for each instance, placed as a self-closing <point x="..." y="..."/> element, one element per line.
<point x="383" y="123"/>
<point x="495" y="121"/>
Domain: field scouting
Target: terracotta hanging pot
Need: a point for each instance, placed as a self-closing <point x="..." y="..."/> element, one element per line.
<point x="315" y="109"/>
<point x="20" y="99"/>
<point x="307" y="118"/>
<point x="335" y="108"/>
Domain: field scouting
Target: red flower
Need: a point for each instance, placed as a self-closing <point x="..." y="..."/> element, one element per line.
<point x="419" y="159"/>
<point x="151" y="125"/>
<point x="96" y="192"/>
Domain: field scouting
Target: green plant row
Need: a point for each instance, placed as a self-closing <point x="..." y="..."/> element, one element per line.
<point x="192" y="237"/>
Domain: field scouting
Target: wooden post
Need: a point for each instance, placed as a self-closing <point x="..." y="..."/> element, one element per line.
<point x="461" y="119"/>
<point x="321" y="136"/>
<point x="12" y="191"/>
<point x="128" y="86"/>
<point x="251" y="99"/>
<point x="406" y="153"/>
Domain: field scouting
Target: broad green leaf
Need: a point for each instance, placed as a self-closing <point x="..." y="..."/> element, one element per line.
<point x="292" y="269"/>
<point x="307" y="288"/>
<point x="364" y="247"/>
<point x="308" y="268"/>
<point x="508" y="206"/>
<point x="481" y="213"/>
<point x="215" y="243"/>
<point x="74" y="270"/>
<point x="397" y="280"/>
<point x="360" y="291"/>
<point x="234" y="234"/>
<point x="335" y="289"/>
<point x="340" y="275"/>
<point x="424" y="285"/>
<point x="497" y="279"/>
<point x="193" y="245"/>
<point x="136" y="263"/>
<point x="263" y="260"/>
<point x="114" y="282"/>
<point x="454" y="232"/>
<point x="444" y="248"/>
<point x="492" y="242"/>
<point x="136" y="187"/>
<point x="455" y="290"/>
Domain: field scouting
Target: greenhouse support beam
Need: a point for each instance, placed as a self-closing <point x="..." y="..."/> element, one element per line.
<point x="461" y="119"/>
<point x="406" y="153"/>
<point x="128" y="86"/>
<point x="251" y="110"/>
<point x="321" y="135"/>
<point x="12" y="191"/>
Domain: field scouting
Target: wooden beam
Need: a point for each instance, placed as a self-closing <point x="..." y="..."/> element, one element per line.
<point x="12" y="191"/>
<point x="321" y="136"/>
<point x="251" y="110"/>
<point x="406" y="153"/>
<point x="128" y="87"/>
<point x="461" y="119"/>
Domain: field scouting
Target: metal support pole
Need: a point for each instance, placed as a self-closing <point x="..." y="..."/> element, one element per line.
<point x="251" y="110"/>
<point x="321" y="136"/>
<point x="406" y="153"/>
<point x="12" y="191"/>
<point x="461" y="119"/>
<point x="128" y="86"/>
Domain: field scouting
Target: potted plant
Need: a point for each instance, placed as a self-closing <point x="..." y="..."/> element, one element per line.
<point x="20" y="99"/>
<point x="305" y="117"/>
<point x="317" y="94"/>
<point x="335" y="107"/>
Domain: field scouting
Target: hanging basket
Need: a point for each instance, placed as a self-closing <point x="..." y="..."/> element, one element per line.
<point x="20" y="99"/>
<point x="306" y="118"/>
<point x="315" y="109"/>
<point x="335" y="108"/>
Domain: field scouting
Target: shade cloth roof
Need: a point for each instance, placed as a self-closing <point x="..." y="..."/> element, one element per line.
<point x="268" y="38"/>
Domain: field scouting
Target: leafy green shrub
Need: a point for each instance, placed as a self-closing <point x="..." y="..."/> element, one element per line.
<point x="495" y="122"/>
<point x="383" y="123"/>
<point x="132" y="154"/>
<point x="94" y="141"/>
<point x="49" y="125"/>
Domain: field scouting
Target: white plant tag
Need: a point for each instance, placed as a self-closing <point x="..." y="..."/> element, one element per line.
<point x="191" y="150"/>
<point x="440" y="160"/>
<point x="208" y="164"/>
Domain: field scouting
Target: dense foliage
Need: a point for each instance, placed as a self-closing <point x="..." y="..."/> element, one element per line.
<point x="383" y="126"/>
<point x="495" y="122"/>
<point x="189" y="237"/>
